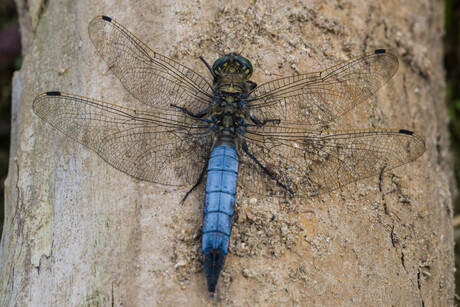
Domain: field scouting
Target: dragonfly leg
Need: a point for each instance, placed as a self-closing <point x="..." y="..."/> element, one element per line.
<point x="209" y="67"/>
<point x="253" y="158"/>
<point x="257" y="122"/>
<point x="203" y="171"/>
<point x="186" y="111"/>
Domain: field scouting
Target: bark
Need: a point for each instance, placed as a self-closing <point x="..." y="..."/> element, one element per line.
<point x="79" y="232"/>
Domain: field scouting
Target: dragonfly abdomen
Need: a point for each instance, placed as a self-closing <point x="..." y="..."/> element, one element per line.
<point x="218" y="209"/>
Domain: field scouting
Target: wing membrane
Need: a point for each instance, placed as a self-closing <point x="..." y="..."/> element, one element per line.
<point x="314" y="162"/>
<point x="150" y="77"/>
<point x="320" y="97"/>
<point x="166" y="148"/>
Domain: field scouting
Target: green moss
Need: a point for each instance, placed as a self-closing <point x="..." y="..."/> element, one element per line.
<point x="452" y="65"/>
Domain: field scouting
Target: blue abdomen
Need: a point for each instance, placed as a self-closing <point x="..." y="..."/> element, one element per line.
<point x="218" y="209"/>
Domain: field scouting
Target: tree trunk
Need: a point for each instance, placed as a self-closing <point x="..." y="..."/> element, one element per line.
<point x="80" y="232"/>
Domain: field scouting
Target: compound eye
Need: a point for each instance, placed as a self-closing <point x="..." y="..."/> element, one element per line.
<point x="246" y="66"/>
<point x="232" y="63"/>
<point x="219" y="63"/>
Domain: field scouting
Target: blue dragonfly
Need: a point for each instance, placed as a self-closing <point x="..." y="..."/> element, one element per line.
<point x="269" y="137"/>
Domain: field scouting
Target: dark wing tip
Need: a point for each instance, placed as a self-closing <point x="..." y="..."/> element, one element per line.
<point x="107" y="18"/>
<point x="404" y="131"/>
<point x="380" y="51"/>
<point x="53" y="93"/>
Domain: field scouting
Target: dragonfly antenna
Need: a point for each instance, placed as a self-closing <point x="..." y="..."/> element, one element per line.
<point x="209" y="67"/>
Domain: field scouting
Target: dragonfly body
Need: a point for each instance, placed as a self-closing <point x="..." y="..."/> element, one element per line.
<point x="218" y="209"/>
<point x="270" y="138"/>
<point x="231" y="85"/>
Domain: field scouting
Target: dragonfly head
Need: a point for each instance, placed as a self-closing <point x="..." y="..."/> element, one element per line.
<point x="232" y="63"/>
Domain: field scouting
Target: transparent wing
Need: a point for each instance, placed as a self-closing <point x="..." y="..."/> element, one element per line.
<point x="167" y="148"/>
<point x="320" y="97"/>
<point x="315" y="162"/>
<point x="150" y="77"/>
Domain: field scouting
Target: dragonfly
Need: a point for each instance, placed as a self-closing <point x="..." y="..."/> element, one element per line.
<point x="270" y="138"/>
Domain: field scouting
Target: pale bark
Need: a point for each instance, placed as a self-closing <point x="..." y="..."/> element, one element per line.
<point x="79" y="232"/>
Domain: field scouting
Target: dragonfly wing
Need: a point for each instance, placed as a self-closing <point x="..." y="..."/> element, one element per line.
<point x="150" y="77"/>
<point x="167" y="148"/>
<point x="315" y="162"/>
<point x="321" y="97"/>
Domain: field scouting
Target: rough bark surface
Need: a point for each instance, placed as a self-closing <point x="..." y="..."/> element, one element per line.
<point x="79" y="232"/>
